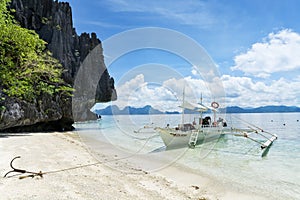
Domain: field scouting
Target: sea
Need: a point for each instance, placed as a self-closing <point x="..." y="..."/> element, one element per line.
<point x="231" y="160"/>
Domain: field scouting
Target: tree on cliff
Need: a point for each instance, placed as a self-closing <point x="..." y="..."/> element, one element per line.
<point x="27" y="70"/>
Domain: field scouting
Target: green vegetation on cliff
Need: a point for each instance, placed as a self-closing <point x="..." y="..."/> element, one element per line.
<point x="26" y="69"/>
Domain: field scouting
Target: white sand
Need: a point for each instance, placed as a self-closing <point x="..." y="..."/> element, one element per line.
<point x="55" y="151"/>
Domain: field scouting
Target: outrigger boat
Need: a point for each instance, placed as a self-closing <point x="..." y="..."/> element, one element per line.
<point x="199" y="131"/>
<point x="203" y="130"/>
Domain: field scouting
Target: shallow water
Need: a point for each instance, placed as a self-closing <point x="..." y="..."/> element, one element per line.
<point x="231" y="160"/>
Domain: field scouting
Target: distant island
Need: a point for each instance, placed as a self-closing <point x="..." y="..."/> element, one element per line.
<point x="146" y="110"/>
<point x="114" y="110"/>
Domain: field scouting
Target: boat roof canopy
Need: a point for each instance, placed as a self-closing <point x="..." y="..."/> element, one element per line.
<point x="196" y="107"/>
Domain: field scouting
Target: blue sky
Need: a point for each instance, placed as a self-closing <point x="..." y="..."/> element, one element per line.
<point x="254" y="43"/>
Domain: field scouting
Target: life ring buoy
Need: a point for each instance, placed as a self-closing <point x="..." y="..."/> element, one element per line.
<point x="215" y="104"/>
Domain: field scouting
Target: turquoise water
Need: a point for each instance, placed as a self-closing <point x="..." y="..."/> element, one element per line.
<point x="231" y="160"/>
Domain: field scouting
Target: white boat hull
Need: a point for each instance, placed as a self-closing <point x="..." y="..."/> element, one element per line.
<point x="173" y="138"/>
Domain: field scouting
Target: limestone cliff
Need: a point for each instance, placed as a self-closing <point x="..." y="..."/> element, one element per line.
<point x="52" y="20"/>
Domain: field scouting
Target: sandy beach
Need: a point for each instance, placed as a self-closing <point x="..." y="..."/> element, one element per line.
<point x="88" y="178"/>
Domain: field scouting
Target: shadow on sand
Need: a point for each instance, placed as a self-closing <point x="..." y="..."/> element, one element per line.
<point x="7" y="135"/>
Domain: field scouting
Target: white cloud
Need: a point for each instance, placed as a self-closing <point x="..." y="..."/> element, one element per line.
<point x="166" y="96"/>
<point x="244" y="92"/>
<point x="240" y="91"/>
<point x="132" y="85"/>
<point x="194" y="88"/>
<point x="279" y="52"/>
<point x="138" y="93"/>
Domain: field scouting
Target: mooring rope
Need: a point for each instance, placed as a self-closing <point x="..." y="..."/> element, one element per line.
<point x="40" y="173"/>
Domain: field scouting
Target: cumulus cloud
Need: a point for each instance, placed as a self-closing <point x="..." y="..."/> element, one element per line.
<point x="138" y="93"/>
<point x="165" y="96"/>
<point x="245" y="92"/>
<point x="278" y="52"/>
<point x="240" y="91"/>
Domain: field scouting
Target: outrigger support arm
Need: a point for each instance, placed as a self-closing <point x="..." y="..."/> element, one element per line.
<point x="265" y="144"/>
<point x="247" y="136"/>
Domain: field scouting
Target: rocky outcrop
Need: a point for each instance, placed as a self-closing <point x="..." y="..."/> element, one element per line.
<point x="52" y="20"/>
<point x="43" y="114"/>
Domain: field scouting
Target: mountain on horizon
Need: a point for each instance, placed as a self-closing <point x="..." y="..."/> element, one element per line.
<point x="128" y="110"/>
<point x="146" y="110"/>
<point x="262" y="109"/>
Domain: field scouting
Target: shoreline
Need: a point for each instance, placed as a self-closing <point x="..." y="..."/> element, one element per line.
<point x="123" y="179"/>
<point x="56" y="151"/>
